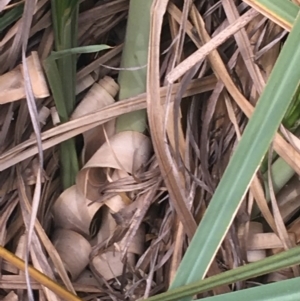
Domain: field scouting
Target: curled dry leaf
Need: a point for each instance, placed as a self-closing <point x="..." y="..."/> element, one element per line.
<point x="109" y="264"/>
<point x="108" y="225"/>
<point x="109" y="260"/>
<point x="127" y="151"/>
<point x="100" y="95"/>
<point x="12" y="83"/>
<point x="73" y="249"/>
<point x="73" y="211"/>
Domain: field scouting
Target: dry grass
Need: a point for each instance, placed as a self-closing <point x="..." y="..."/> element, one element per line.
<point x="205" y="125"/>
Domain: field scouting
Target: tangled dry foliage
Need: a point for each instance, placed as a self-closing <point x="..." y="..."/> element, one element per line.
<point x="203" y="125"/>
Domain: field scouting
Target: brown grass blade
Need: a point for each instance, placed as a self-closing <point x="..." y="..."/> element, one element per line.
<point x="211" y="45"/>
<point x="244" y="46"/>
<point x="156" y="117"/>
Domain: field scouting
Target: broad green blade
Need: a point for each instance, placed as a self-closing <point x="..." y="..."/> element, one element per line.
<point x="135" y="55"/>
<point x="262" y="267"/>
<point x="135" y="52"/>
<point x="283" y="11"/>
<point x="287" y="290"/>
<point x="255" y="141"/>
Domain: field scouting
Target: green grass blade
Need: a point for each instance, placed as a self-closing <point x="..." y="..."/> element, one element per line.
<point x="287" y="290"/>
<point x="64" y="13"/>
<point x="65" y="21"/>
<point x="77" y="50"/>
<point x="66" y="66"/>
<point x="68" y="155"/>
<point x="262" y="267"/>
<point x="11" y="16"/>
<point x="291" y="118"/>
<point x="255" y="141"/>
<point x="56" y="87"/>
